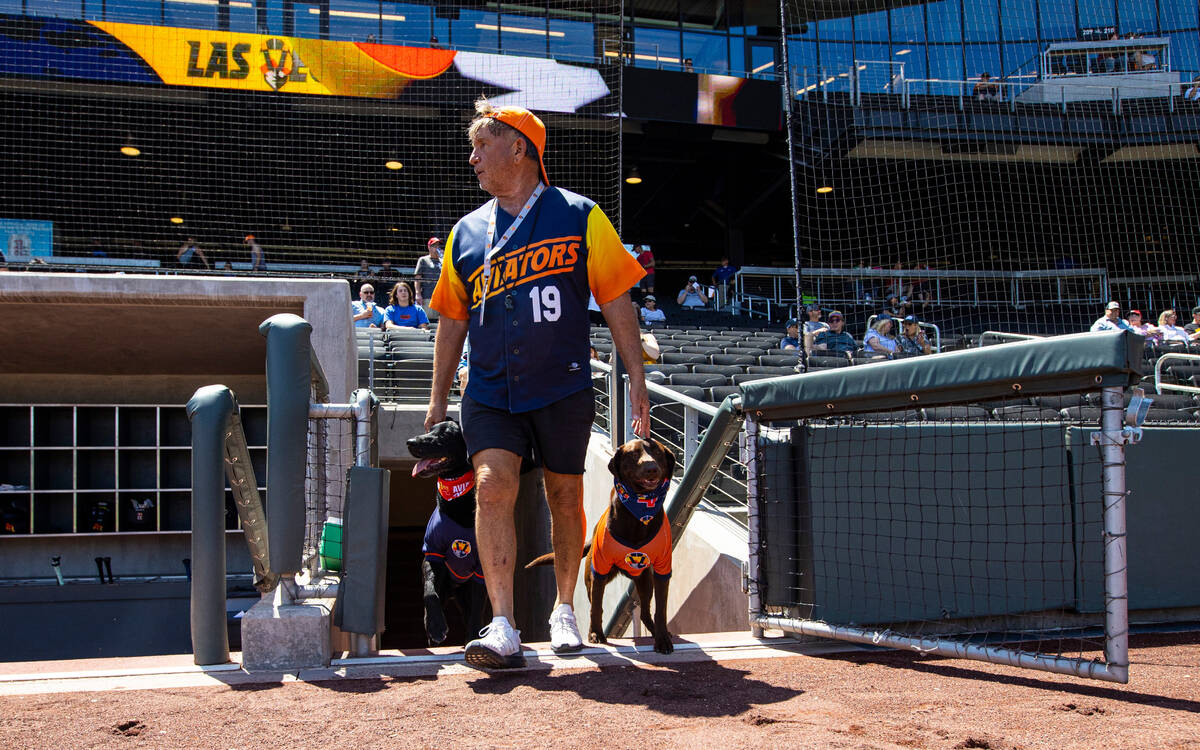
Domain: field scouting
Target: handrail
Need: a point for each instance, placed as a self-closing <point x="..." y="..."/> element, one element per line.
<point x="1159" y="385"/>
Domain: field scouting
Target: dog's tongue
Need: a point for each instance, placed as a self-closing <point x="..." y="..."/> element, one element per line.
<point x="422" y="465"/>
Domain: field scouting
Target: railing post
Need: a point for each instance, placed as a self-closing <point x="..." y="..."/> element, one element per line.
<point x="750" y="434"/>
<point x="691" y="434"/>
<point x="616" y="402"/>
<point x="1116" y="583"/>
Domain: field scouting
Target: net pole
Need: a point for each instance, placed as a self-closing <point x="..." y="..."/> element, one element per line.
<point x="1116" y="582"/>
<point x="791" y="161"/>
<point x="751" y="577"/>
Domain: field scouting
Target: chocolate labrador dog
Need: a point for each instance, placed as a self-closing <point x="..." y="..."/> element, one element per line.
<point x="633" y="536"/>
<point x="451" y="567"/>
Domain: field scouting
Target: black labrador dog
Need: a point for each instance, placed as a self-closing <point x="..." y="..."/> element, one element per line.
<point x="633" y="536"/>
<point x="451" y="566"/>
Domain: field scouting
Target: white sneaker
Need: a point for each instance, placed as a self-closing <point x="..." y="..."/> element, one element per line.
<point x="564" y="633"/>
<point x="499" y="647"/>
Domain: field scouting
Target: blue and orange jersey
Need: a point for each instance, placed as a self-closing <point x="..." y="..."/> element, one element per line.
<point x="454" y="545"/>
<point x="531" y="349"/>
<point x="607" y="551"/>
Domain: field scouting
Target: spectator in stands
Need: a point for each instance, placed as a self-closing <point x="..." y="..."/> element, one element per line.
<point x="832" y="338"/>
<point x="427" y="270"/>
<point x="364" y="269"/>
<point x="386" y="271"/>
<point x="650" y="314"/>
<point x="188" y="252"/>
<point x="1194" y="327"/>
<point x="986" y="90"/>
<point x="912" y="338"/>
<point x="1172" y="332"/>
<point x="721" y="279"/>
<point x="258" y="260"/>
<point x="880" y="341"/>
<point x="402" y="313"/>
<point x="1192" y="92"/>
<point x="1143" y="328"/>
<point x="897" y="307"/>
<point x="1111" y="320"/>
<point x="814" y="322"/>
<point x="692" y="295"/>
<point x="366" y="313"/>
<point x="792" y="339"/>
<point x="227" y="267"/>
<point x="646" y="258"/>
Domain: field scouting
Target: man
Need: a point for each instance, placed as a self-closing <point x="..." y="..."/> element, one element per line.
<point x="366" y="313"/>
<point x="912" y="338"/>
<point x="188" y="252"/>
<point x="721" y="279"/>
<point x="692" y="295"/>
<point x="386" y="272"/>
<point x="792" y="339"/>
<point x="834" y="338"/>
<point x="258" y="260"/>
<point x="1194" y="327"/>
<point x="516" y="280"/>
<point x="427" y="270"/>
<point x="650" y="314"/>
<point x="1111" y="320"/>
<point x="814" y="322"/>
<point x="646" y="258"/>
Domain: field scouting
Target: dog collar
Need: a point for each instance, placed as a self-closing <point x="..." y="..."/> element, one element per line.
<point x="643" y="505"/>
<point x="456" y="487"/>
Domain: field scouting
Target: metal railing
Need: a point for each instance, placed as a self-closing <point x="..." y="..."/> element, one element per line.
<point x="761" y="286"/>
<point x="679" y="422"/>
<point x="1158" y="368"/>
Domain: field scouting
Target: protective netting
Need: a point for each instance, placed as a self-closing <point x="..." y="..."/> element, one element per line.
<point x="1004" y="165"/>
<point x="330" y="456"/>
<point x="323" y="137"/>
<point x="980" y="524"/>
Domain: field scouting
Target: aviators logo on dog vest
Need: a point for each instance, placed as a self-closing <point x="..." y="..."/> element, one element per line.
<point x="637" y="560"/>
<point x="460" y="548"/>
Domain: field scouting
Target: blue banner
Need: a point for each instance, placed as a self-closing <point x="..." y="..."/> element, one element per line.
<point x="22" y="239"/>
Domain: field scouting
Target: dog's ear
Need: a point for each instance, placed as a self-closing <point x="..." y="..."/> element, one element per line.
<point x="614" y="463"/>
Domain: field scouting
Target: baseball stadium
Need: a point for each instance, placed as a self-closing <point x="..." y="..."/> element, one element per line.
<point x="915" y="287"/>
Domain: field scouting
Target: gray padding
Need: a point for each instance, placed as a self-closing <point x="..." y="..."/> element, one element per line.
<point x="244" y="485"/>
<point x="360" y="600"/>
<point x="289" y="376"/>
<point x="209" y="410"/>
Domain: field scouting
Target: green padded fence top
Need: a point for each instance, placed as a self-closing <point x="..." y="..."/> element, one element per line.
<point x="1062" y="364"/>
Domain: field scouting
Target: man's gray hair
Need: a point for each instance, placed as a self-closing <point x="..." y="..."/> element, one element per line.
<point x="484" y="110"/>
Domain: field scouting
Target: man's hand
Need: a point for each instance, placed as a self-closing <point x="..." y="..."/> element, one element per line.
<point x="639" y="402"/>
<point x="435" y="413"/>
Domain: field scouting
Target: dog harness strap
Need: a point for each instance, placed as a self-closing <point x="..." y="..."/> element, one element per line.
<point x="645" y="505"/>
<point x="456" y="487"/>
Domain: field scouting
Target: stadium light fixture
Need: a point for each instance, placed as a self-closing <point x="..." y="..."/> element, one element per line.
<point x="129" y="150"/>
<point x="902" y="52"/>
<point x="393" y="164"/>
<point x="634" y="177"/>
<point x="824" y="189"/>
<point x="176" y="219"/>
<point x="518" y="30"/>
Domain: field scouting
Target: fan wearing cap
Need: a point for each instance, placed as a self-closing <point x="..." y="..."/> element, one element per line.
<point x="912" y="338"/>
<point x="1193" y="328"/>
<point x="258" y="260"/>
<point x="427" y="270"/>
<point x="834" y="338"/>
<point x="792" y="339"/>
<point x="692" y="295"/>
<point x="651" y="315"/>
<point x="1112" y="319"/>
<point x="516" y="278"/>
<point x="1143" y="328"/>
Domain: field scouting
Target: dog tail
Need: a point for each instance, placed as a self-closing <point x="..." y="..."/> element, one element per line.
<point x="548" y="558"/>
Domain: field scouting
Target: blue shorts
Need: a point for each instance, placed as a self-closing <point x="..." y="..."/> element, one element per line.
<point x="555" y="436"/>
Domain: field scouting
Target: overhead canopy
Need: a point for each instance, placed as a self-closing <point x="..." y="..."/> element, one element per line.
<point x="1063" y="364"/>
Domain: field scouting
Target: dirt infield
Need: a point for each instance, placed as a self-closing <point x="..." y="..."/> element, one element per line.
<point x="863" y="700"/>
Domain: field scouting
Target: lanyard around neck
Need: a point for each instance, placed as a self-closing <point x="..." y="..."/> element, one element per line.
<point x="504" y="238"/>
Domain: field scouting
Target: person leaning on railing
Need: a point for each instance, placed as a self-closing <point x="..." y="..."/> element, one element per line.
<point x="833" y="338"/>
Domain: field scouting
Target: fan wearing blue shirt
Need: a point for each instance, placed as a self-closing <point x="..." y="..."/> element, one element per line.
<point x="402" y="313"/>
<point x="1112" y="319"/>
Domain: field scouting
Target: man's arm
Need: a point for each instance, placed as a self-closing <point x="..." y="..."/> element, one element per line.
<point x="627" y="342"/>
<point x="682" y="296"/>
<point x="447" y="351"/>
<point x="367" y="312"/>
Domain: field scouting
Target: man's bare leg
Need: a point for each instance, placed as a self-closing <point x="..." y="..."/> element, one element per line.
<point x="564" y="495"/>
<point x="497" y="479"/>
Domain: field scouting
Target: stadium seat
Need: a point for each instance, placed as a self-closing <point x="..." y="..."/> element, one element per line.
<point x="733" y="359"/>
<point x="726" y="370"/>
<point x="681" y="358"/>
<point x="666" y="331"/>
<point x="702" y="379"/>
<point x="602" y="346"/>
<point x="753" y="351"/>
<point x="1086" y="414"/>
<point x="408" y="334"/>
<point x="776" y="351"/>
<point x="947" y="413"/>
<point x="691" y="391"/>
<point x="700" y="349"/>
<point x="822" y="354"/>
<point x="1169" y="416"/>
<point x="1161" y="400"/>
<point x="719" y="393"/>
<point x="1068" y="401"/>
<point x="653" y="376"/>
<point x="1026" y="413"/>
<point x="779" y="360"/>
<point x="747" y="377"/>
<point x="769" y="370"/>
<point x="827" y="363"/>
<point x="666" y="369"/>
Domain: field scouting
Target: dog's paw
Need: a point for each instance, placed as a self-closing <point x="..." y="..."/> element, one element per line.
<point x="663" y="644"/>
<point x="594" y="637"/>
<point x="436" y="629"/>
